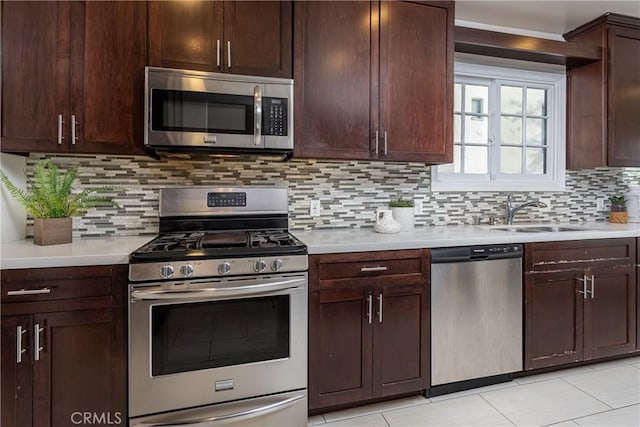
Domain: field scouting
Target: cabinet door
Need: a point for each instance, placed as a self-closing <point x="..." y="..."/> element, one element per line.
<point x="401" y="339"/>
<point x="553" y="309"/>
<point x="258" y="34"/>
<point x="35" y="74"/>
<point x="16" y="371"/>
<point x="80" y="367"/>
<point x="610" y="312"/>
<point x="335" y="79"/>
<point x="416" y="81"/>
<point x="624" y="110"/>
<point x="339" y="346"/>
<point x="107" y="74"/>
<point x="185" y="34"/>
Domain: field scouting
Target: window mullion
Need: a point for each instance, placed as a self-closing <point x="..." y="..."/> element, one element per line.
<point x="494" y="130"/>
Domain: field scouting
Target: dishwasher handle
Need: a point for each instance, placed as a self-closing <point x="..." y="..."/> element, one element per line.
<point x="475" y="253"/>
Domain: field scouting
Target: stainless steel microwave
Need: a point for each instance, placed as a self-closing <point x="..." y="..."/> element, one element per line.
<point x="192" y="111"/>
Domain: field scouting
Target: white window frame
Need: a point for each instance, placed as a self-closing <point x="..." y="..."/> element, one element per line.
<point x="552" y="78"/>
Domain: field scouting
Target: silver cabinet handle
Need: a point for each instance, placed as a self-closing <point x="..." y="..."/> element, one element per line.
<point x="19" y="349"/>
<point x="257" y="110"/>
<point x="370" y="311"/>
<point x="380" y="308"/>
<point x="60" y="123"/>
<point x="584" y="290"/>
<point x="217" y="53"/>
<point x="36" y="341"/>
<point x="593" y="286"/>
<point x="379" y="268"/>
<point x="385" y="142"/>
<point x="224" y="419"/>
<point x="29" y="292"/>
<point x="377" y="138"/>
<point x="229" y="53"/>
<point x="73" y="129"/>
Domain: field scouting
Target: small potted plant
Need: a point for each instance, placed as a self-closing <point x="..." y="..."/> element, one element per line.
<point x="403" y="212"/>
<point x="618" y="211"/>
<point x="50" y="202"/>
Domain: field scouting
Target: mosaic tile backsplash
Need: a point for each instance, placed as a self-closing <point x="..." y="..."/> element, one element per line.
<point x="349" y="191"/>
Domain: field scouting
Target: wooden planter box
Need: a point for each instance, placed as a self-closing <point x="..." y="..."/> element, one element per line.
<point x="52" y="231"/>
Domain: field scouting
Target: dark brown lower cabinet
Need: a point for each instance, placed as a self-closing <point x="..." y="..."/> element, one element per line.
<point x="369" y="326"/>
<point x="580" y="301"/>
<point x="63" y="350"/>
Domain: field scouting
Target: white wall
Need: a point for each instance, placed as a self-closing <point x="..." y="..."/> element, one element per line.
<point x="13" y="218"/>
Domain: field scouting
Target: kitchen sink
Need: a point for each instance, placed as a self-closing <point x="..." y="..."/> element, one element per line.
<point x="542" y="229"/>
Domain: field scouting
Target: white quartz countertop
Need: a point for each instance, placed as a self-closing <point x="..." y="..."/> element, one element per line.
<point x="90" y="251"/>
<point x="116" y="250"/>
<point x="365" y="239"/>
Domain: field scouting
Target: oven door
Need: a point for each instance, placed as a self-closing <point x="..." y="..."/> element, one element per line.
<point x="210" y="341"/>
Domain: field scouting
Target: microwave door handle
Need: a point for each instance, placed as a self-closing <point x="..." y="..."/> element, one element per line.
<point x="217" y="292"/>
<point x="257" y="113"/>
<point x="225" y="418"/>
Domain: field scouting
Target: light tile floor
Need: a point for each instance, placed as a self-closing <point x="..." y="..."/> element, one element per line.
<point x="601" y="395"/>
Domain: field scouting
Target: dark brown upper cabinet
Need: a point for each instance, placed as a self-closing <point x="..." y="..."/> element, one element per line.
<point x="73" y="76"/>
<point x="243" y="37"/>
<point x="374" y="80"/>
<point x="602" y="102"/>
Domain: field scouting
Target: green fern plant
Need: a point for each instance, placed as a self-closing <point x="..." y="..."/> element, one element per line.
<point x="50" y="193"/>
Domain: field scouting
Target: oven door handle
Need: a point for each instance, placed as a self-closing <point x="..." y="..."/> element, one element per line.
<point x="238" y="416"/>
<point x="217" y="292"/>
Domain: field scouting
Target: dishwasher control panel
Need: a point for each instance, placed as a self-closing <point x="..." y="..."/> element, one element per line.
<point x="472" y="253"/>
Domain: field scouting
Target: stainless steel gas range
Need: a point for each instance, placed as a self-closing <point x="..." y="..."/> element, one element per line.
<point x="218" y="312"/>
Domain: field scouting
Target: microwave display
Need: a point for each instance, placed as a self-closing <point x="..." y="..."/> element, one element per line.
<point x="211" y="113"/>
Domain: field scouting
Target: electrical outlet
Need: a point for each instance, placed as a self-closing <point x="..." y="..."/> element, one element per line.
<point x="600" y="204"/>
<point x="417" y="207"/>
<point x="546" y="201"/>
<point x="314" y="208"/>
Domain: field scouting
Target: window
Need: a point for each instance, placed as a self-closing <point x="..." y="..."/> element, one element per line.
<point x="508" y="127"/>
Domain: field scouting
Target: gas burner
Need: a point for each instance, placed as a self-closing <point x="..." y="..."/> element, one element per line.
<point x="271" y="239"/>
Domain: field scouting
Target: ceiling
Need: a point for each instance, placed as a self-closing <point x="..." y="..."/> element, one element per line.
<point x="549" y="17"/>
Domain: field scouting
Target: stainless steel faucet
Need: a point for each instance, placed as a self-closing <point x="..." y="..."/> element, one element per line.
<point x="512" y="210"/>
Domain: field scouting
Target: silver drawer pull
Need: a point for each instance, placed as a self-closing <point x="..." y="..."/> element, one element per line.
<point x="370" y="311"/>
<point x="29" y="292"/>
<point x="379" y="268"/>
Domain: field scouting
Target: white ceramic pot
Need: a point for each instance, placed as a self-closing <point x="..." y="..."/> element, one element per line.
<point x="406" y="218"/>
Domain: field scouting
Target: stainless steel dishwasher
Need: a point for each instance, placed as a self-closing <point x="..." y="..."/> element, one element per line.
<point x="476" y="316"/>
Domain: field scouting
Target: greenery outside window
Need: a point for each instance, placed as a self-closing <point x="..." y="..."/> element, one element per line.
<point x="508" y="130"/>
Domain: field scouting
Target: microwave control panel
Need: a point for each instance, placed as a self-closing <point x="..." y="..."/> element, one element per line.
<point x="275" y="116"/>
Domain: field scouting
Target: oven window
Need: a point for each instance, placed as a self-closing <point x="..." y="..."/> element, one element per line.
<point x="193" y="336"/>
<point x="183" y="111"/>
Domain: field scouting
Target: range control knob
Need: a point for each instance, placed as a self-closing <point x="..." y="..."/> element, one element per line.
<point x="224" y="268"/>
<point x="166" y="271"/>
<point x="186" y="270"/>
<point x="259" y="266"/>
<point x="276" y="264"/>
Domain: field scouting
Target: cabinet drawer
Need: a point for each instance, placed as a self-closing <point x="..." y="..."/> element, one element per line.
<point x="367" y="268"/>
<point x="327" y="270"/>
<point x="45" y="284"/>
<point x="579" y="254"/>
